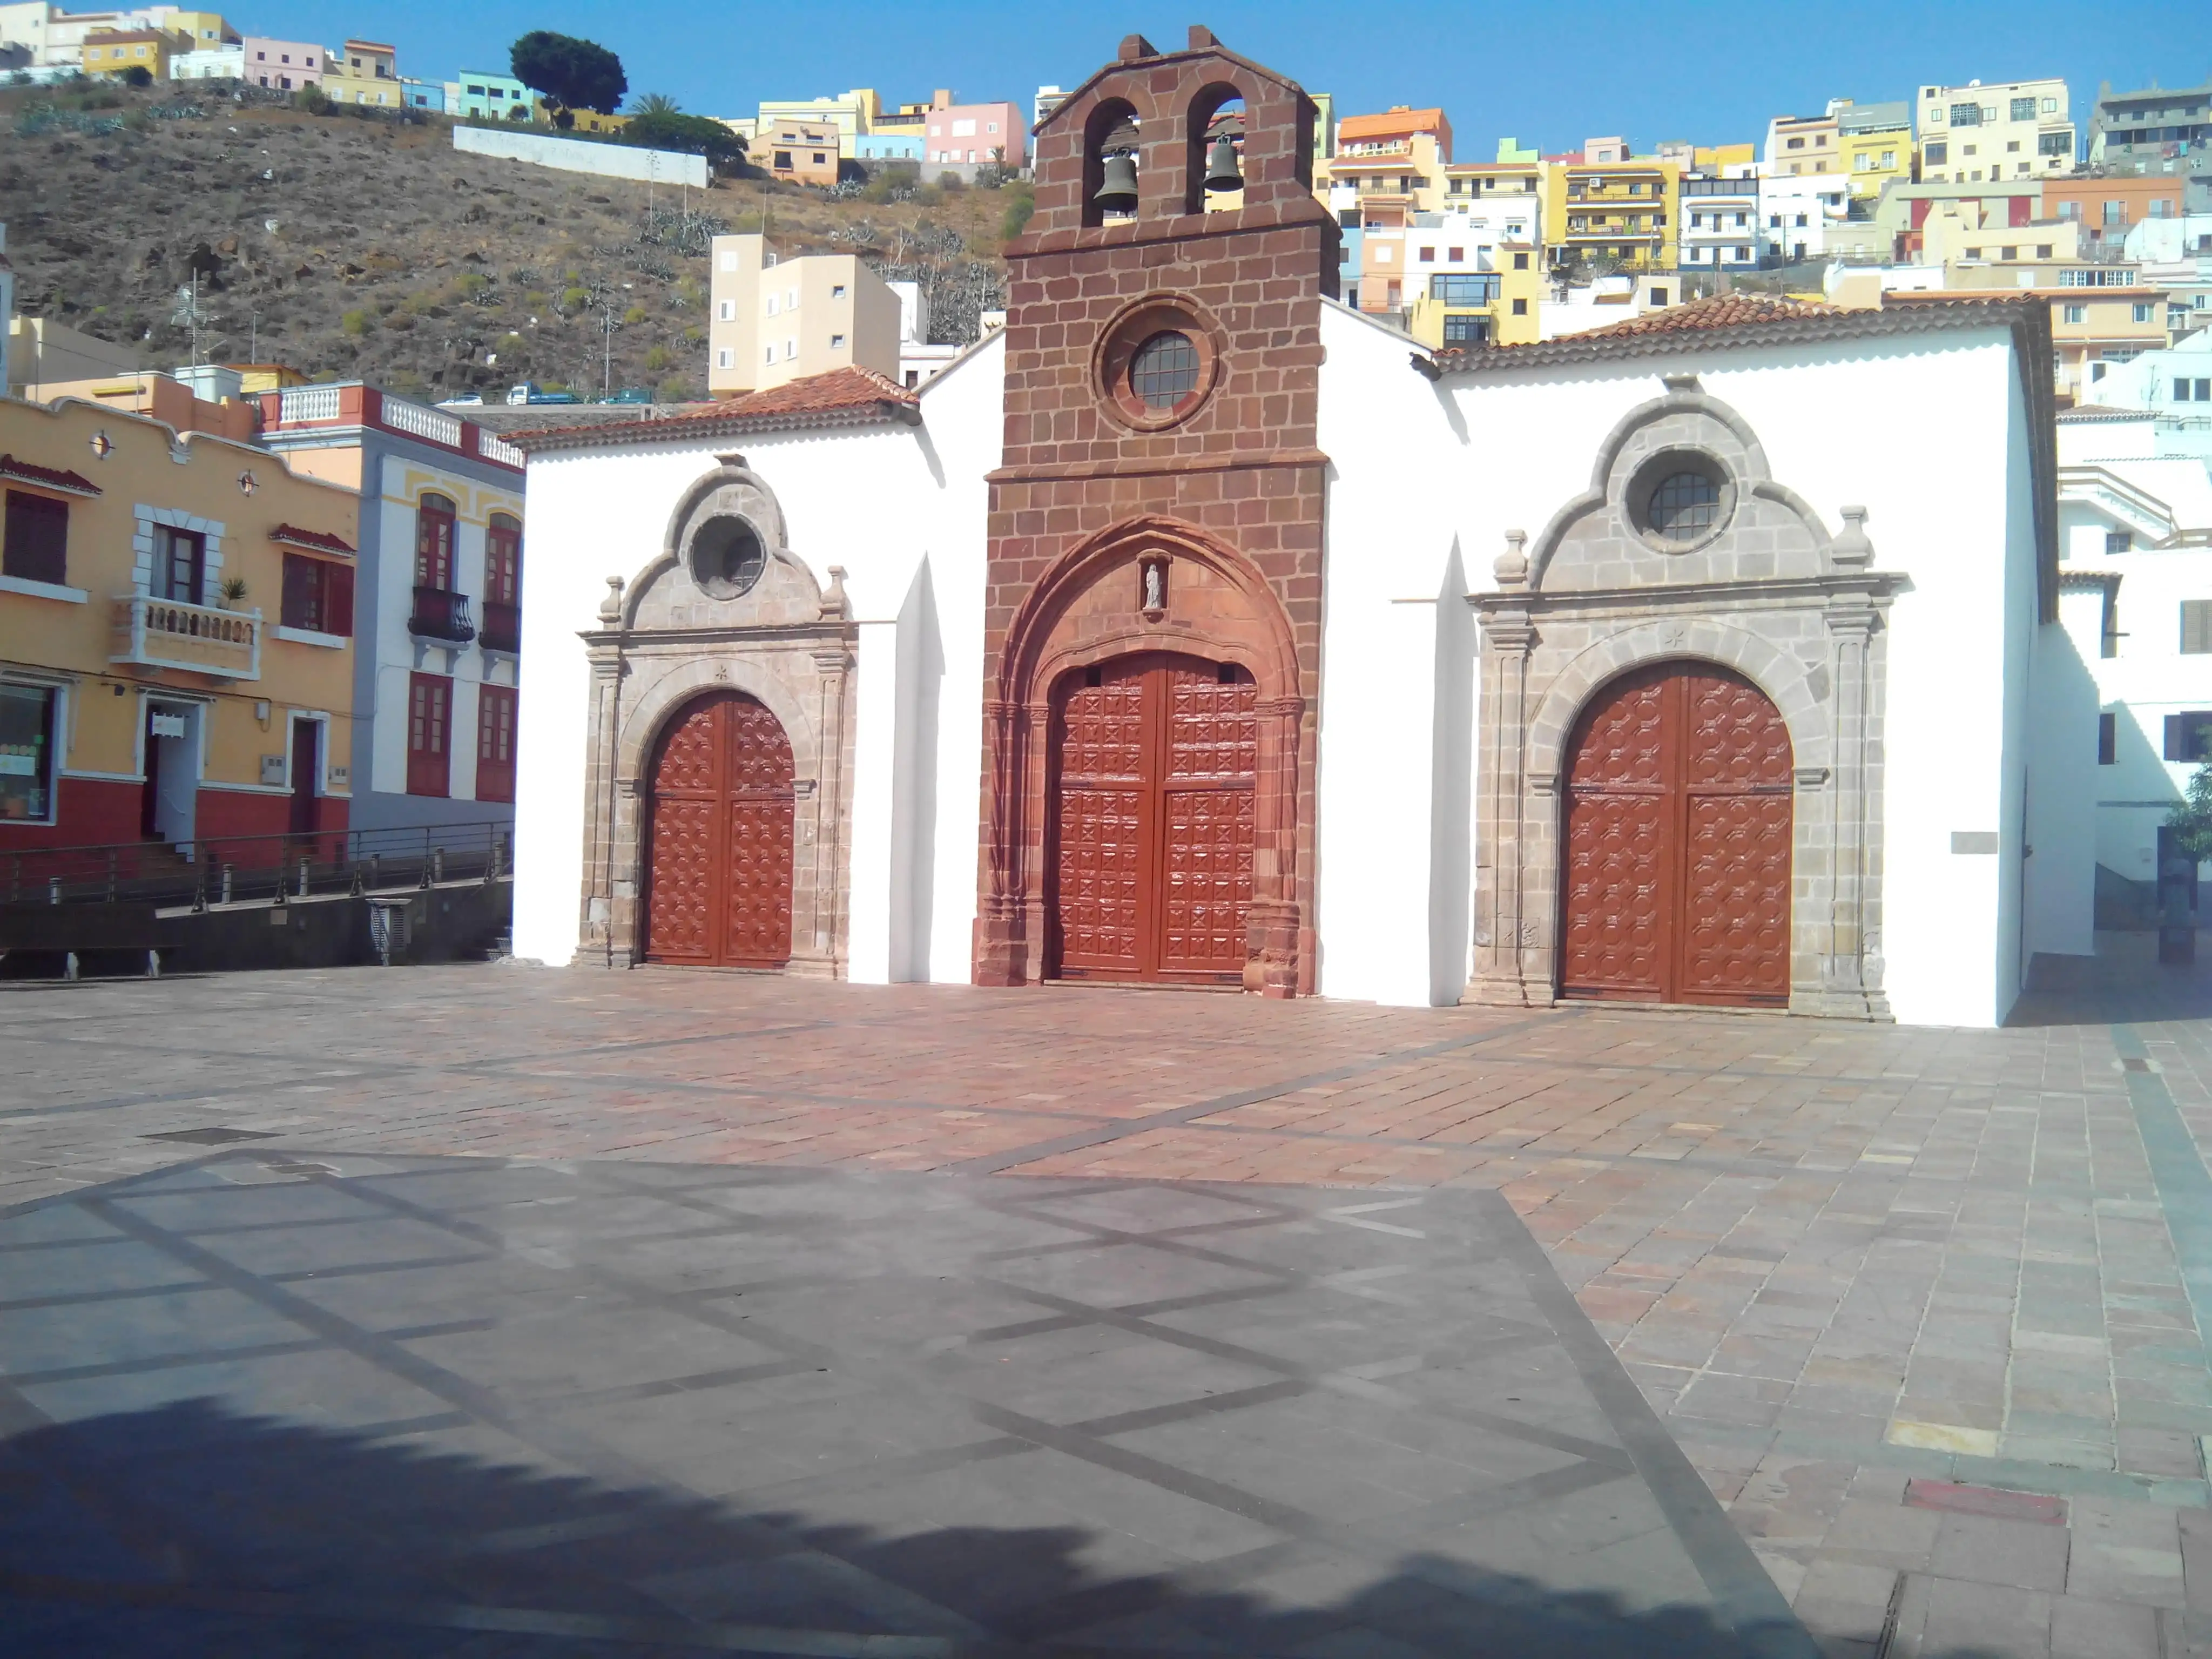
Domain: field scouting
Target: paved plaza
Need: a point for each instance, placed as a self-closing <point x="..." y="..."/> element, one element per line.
<point x="501" y="1310"/>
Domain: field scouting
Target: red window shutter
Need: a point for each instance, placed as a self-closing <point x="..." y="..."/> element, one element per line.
<point x="429" y="709"/>
<point x="338" y="600"/>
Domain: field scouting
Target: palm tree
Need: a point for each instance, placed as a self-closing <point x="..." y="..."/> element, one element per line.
<point x="655" y="103"/>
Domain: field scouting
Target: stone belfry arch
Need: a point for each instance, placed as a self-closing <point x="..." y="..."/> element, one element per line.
<point x="1161" y="488"/>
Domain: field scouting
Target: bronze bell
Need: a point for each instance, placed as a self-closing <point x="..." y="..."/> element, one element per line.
<point x="1118" y="194"/>
<point x="1221" y="173"/>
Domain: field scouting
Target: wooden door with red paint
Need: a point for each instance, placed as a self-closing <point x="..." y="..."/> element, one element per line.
<point x="1679" y="828"/>
<point x="1155" y="765"/>
<point x="720" y="833"/>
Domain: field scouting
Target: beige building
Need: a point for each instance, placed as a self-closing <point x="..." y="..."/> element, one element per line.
<point x="797" y="152"/>
<point x="2005" y="130"/>
<point x="41" y="351"/>
<point x="1798" y="144"/>
<point x="776" y="320"/>
<point x="364" y="72"/>
<point x="843" y="119"/>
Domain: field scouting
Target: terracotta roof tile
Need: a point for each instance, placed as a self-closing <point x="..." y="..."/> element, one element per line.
<point x="52" y="477"/>
<point x="1674" y="328"/>
<point x="835" y="398"/>
<point x="314" y="540"/>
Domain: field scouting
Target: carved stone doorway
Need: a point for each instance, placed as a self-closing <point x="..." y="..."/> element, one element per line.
<point x="1679" y="830"/>
<point x="720" y="826"/>
<point x="1154" y="760"/>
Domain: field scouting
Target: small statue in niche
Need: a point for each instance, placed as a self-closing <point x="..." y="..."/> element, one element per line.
<point x="1155" y="594"/>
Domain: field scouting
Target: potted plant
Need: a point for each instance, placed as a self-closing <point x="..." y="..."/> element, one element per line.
<point x="230" y="592"/>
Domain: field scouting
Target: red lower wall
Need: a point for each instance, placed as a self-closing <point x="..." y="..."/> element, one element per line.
<point x="99" y="812"/>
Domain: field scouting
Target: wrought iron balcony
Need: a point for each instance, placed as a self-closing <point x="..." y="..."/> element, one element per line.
<point x="442" y="615"/>
<point x="502" y="627"/>
<point x="202" y="639"/>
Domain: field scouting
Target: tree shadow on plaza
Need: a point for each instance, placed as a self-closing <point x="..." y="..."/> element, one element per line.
<point x="190" y="1530"/>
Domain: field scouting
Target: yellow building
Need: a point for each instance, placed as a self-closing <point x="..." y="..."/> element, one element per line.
<point x="176" y="650"/>
<point x="580" y="120"/>
<point x="1606" y="205"/>
<point x="201" y="31"/>
<point x="1386" y="168"/>
<point x="364" y="72"/>
<point x="116" y="52"/>
<point x="1501" y="305"/>
<point x="850" y="115"/>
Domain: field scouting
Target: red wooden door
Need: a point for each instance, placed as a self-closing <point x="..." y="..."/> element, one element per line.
<point x="719" y="868"/>
<point x="1676" y="877"/>
<point x="429" y="734"/>
<point x="1156" y="772"/>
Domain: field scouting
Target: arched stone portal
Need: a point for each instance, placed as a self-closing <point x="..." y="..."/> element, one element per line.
<point x="1150" y="596"/>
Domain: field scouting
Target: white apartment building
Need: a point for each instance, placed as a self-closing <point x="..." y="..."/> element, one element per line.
<point x="1722" y="228"/>
<point x="2136" y="594"/>
<point x="1978" y="134"/>
<point x="1795" y="210"/>
<point x="2175" y="255"/>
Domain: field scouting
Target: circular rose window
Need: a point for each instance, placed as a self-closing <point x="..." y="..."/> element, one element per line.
<point x="1164" y="371"/>
<point x="726" y="557"/>
<point x="1156" y="364"/>
<point x="1679" y="500"/>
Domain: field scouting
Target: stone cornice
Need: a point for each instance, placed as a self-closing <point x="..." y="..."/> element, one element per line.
<point x="1769" y="592"/>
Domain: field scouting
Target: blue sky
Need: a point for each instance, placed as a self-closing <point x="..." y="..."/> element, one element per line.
<point x="1551" y="74"/>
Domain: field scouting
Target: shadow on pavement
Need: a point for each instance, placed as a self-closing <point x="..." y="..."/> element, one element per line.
<point x="187" y="1529"/>
<point x="2123" y="984"/>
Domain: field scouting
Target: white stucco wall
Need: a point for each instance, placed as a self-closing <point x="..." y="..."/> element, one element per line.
<point x="1393" y="827"/>
<point x="886" y="502"/>
<point x="1834" y="422"/>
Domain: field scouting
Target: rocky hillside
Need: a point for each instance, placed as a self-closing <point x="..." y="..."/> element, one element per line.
<point x="366" y="247"/>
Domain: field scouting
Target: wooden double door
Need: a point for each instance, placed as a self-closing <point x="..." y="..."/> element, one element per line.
<point x="1154" y="787"/>
<point x="1675" y="882"/>
<point x="719" y="803"/>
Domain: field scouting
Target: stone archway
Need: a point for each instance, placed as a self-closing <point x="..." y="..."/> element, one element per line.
<point x="725" y="612"/>
<point x="1152" y="586"/>
<point x="1757" y="588"/>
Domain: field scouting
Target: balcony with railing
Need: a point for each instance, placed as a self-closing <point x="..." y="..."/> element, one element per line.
<point x="200" y="639"/>
<point x="442" y="615"/>
<point x="502" y="627"/>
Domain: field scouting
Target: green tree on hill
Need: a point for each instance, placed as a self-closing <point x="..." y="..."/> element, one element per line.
<point x="572" y="73"/>
<point x="657" y="122"/>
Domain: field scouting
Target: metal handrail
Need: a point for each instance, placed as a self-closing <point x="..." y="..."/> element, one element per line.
<point x="441" y="614"/>
<point x="240" y="869"/>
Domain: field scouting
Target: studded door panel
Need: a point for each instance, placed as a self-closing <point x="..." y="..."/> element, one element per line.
<point x="721" y="801"/>
<point x="1614" y="940"/>
<point x="1099" y="868"/>
<point x="1737" y="830"/>
<point x="1153" y="815"/>
<point x="1675" y="877"/>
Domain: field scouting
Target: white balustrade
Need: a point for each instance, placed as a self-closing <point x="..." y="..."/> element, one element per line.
<point x="434" y="424"/>
<point x="308" y="403"/>
<point x="493" y="449"/>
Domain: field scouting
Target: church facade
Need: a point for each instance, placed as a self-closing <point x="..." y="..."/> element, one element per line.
<point x="1197" y="630"/>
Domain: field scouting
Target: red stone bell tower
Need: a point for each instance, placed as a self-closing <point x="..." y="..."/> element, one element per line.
<point x="1157" y="524"/>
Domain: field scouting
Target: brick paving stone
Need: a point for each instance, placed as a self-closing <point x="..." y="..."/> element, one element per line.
<point x="1881" y="1251"/>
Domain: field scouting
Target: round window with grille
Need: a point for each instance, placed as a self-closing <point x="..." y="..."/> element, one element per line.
<point x="1679" y="500"/>
<point x="1164" y="370"/>
<point x="726" y="557"/>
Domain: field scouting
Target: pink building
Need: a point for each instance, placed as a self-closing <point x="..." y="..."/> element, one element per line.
<point x="283" y="65"/>
<point x="969" y="132"/>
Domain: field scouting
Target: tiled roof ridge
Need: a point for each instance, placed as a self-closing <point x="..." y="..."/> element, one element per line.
<point x="1674" y="328"/>
<point x="54" y="478"/>
<point x="320" y="541"/>
<point x="852" y="392"/>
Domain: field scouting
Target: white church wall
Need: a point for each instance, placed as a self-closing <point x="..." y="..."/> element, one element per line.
<point x="2062" y="797"/>
<point x="1833" y="421"/>
<point x="879" y="501"/>
<point x="1392" y="911"/>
